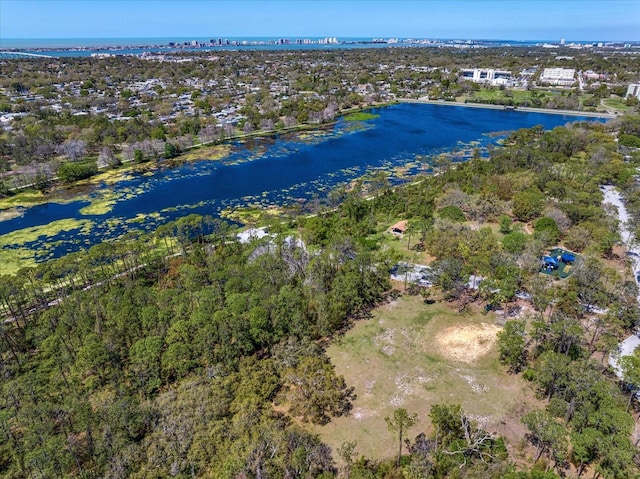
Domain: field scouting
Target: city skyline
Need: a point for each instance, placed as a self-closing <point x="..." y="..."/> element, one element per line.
<point x="522" y="20"/>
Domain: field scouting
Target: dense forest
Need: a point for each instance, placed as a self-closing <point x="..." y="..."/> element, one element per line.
<point x="187" y="353"/>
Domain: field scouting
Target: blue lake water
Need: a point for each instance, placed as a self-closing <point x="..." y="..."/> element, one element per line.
<point x="280" y="171"/>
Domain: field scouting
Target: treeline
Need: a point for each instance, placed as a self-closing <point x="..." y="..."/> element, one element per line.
<point x="186" y="353"/>
<point x="171" y="367"/>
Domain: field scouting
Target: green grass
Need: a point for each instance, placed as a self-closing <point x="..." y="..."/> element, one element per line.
<point x="27" y="235"/>
<point x="398" y="359"/>
<point x="616" y="103"/>
<point x="520" y="97"/>
<point x="485" y="94"/>
<point x="215" y="152"/>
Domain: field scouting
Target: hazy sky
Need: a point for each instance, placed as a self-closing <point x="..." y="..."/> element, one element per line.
<point x="467" y="19"/>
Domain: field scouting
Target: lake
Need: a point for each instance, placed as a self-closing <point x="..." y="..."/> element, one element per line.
<point x="265" y="172"/>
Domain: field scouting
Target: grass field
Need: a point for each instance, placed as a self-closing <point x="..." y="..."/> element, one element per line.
<point x="414" y="355"/>
<point x="518" y="96"/>
<point x="616" y="103"/>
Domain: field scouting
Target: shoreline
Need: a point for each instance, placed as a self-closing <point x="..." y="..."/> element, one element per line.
<point x="129" y="166"/>
<point x="590" y="114"/>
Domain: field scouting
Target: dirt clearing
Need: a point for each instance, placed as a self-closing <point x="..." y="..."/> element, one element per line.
<point x="467" y="343"/>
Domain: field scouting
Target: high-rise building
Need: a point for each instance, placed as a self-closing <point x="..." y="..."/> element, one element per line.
<point x="558" y="76"/>
<point x="633" y="90"/>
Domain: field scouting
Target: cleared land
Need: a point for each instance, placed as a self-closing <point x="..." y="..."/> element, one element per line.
<point x="414" y="355"/>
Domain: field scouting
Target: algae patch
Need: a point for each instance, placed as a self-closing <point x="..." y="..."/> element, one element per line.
<point x="23" y="199"/>
<point x="15" y="259"/>
<point x="361" y="116"/>
<point x="16" y="254"/>
<point x="143" y="217"/>
<point x="29" y="235"/>
<point x="216" y="152"/>
<point x="252" y="215"/>
<point x="101" y="204"/>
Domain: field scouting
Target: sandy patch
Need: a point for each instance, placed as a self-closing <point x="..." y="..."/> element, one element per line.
<point x="9" y="214"/>
<point x="362" y="414"/>
<point x="385" y="342"/>
<point x="467" y="343"/>
<point x="475" y="386"/>
<point x="393" y="304"/>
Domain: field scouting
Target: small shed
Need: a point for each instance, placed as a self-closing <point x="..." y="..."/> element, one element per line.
<point x="399" y="228"/>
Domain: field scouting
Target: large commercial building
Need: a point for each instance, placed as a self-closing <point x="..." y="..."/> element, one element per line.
<point x="487" y="75"/>
<point x="558" y="76"/>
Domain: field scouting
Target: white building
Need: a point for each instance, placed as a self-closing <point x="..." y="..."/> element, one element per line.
<point x="558" y="76"/>
<point x="487" y="75"/>
<point x="633" y="90"/>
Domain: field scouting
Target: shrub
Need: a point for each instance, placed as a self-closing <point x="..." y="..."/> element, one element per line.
<point x="528" y="204"/>
<point x="514" y="242"/>
<point x="170" y="150"/>
<point x="70" y="172"/>
<point x="505" y="224"/>
<point x="452" y="213"/>
<point x="631" y="141"/>
<point x="546" y="229"/>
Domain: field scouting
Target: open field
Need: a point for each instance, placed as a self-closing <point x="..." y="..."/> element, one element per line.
<point x="518" y="96"/>
<point x="616" y="103"/>
<point x="414" y="355"/>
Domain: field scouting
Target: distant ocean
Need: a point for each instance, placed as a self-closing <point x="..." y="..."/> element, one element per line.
<point x="29" y="43"/>
<point x="82" y="47"/>
<point x="37" y="43"/>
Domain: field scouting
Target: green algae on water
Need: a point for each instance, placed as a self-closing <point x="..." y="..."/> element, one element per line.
<point x="25" y="198"/>
<point x="101" y="204"/>
<point x="14" y="259"/>
<point x="361" y="116"/>
<point x="16" y="255"/>
<point x="33" y="233"/>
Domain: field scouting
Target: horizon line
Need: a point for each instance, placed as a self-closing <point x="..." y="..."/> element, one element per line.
<point x="194" y="37"/>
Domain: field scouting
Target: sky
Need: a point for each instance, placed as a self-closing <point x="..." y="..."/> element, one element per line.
<point x="526" y="20"/>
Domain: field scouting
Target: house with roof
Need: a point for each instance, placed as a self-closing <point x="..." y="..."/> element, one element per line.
<point x="399" y="228"/>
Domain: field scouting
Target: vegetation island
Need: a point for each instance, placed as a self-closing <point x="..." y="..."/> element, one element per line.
<point x="389" y="331"/>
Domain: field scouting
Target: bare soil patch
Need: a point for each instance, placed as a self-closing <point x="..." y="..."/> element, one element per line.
<point x="467" y="343"/>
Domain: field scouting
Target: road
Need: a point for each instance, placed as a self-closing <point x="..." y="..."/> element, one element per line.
<point x="629" y="345"/>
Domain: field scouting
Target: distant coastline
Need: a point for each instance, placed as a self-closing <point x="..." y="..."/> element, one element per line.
<point x="216" y="41"/>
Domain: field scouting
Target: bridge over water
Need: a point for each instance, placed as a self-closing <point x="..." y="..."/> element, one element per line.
<point x="8" y="55"/>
